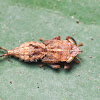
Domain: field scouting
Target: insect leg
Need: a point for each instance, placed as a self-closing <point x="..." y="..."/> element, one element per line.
<point x="55" y="66"/>
<point x="46" y="42"/>
<point x="77" y="61"/>
<point x="66" y="65"/>
<point x="41" y="65"/>
<point x="56" y="38"/>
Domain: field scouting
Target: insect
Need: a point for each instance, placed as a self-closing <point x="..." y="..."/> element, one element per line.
<point x="50" y="52"/>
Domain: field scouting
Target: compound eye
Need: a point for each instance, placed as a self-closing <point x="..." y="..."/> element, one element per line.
<point x="71" y="40"/>
<point x="70" y="59"/>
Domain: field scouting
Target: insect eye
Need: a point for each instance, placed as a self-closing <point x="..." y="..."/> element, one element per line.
<point x="72" y="40"/>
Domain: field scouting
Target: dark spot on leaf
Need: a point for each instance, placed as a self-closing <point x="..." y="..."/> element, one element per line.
<point x="10" y="82"/>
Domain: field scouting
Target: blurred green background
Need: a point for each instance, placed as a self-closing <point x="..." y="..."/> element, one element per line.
<point x="29" y="20"/>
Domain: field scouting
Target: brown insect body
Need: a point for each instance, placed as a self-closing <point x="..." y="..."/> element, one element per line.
<point x="50" y="51"/>
<point x="28" y="51"/>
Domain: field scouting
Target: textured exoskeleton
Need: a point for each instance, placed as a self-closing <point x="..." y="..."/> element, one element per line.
<point x="51" y="51"/>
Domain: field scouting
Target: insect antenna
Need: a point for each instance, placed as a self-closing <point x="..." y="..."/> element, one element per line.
<point x="78" y="59"/>
<point x="80" y="44"/>
<point x="3" y="49"/>
<point x="3" y="54"/>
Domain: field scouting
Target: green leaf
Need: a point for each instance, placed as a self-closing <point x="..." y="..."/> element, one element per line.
<point x="30" y="20"/>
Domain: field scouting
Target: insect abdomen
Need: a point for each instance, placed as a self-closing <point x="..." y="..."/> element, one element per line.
<point x="28" y="51"/>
